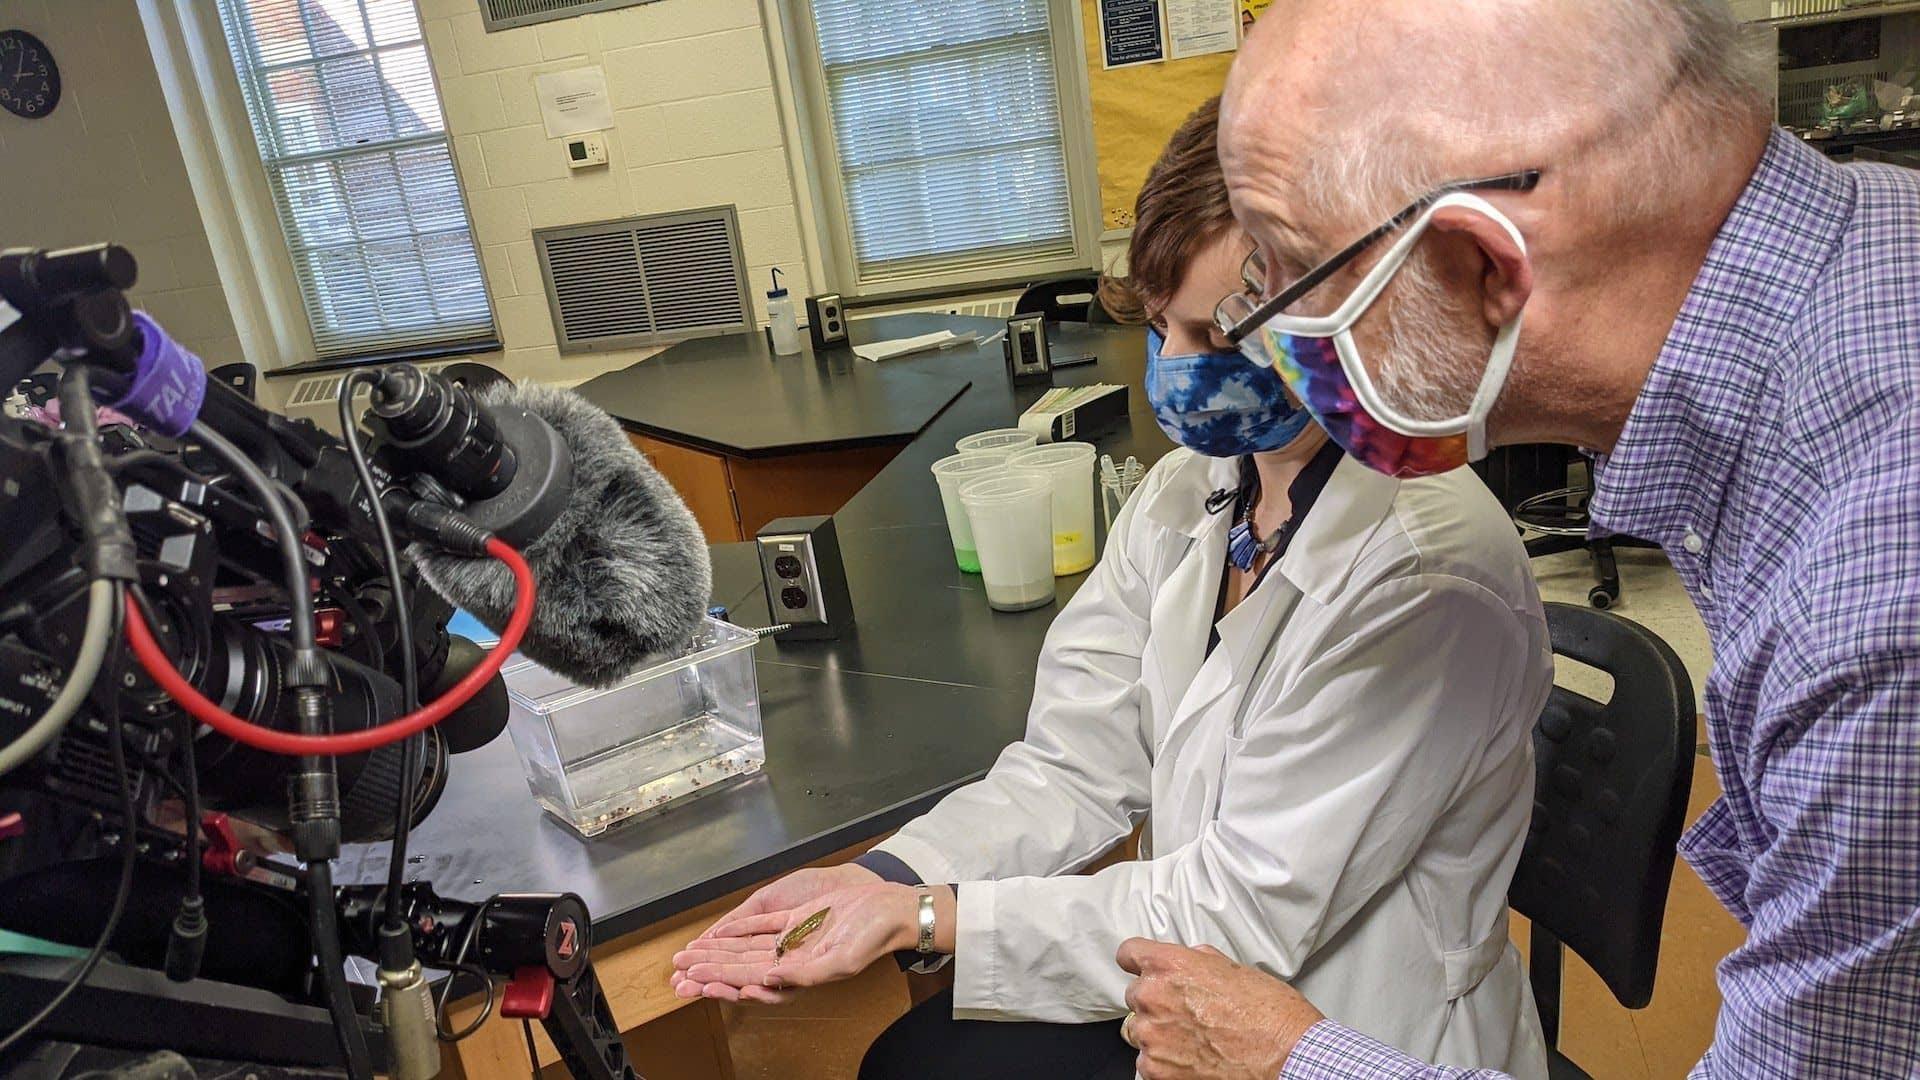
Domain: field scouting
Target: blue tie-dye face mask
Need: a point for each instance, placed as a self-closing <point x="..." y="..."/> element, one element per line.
<point x="1219" y="404"/>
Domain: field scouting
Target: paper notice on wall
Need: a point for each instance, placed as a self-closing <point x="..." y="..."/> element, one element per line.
<point x="574" y="101"/>
<point x="1130" y="33"/>
<point x="1199" y="27"/>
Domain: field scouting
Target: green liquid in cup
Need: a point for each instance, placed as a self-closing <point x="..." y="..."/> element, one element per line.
<point x="968" y="558"/>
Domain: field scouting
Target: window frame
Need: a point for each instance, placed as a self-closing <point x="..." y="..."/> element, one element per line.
<point x="820" y="152"/>
<point x="448" y="340"/>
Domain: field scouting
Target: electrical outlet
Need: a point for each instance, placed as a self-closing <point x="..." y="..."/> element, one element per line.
<point x="806" y="581"/>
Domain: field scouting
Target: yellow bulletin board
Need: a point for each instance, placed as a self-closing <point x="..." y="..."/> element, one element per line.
<point x="1136" y="108"/>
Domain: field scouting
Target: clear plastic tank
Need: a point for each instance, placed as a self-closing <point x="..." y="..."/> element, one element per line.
<point x="676" y="727"/>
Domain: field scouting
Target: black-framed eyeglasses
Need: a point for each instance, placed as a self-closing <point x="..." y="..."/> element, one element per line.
<point x="1236" y="322"/>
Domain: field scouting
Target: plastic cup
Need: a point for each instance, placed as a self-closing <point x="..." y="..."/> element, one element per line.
<point x="1113" y="496"/>
<point x="999" y="442"/>
<point x="1012" y="519"/>
<point x="1114" y="492"/>
<point x="1068" y="468"/>
<point x="952" y="474"/>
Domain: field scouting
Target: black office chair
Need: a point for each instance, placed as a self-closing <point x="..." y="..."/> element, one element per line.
<point x="240" y="375"/>
<point x="1560" y="517"/>
<point x="1611" y="784"/>
<point x="473" y="375"/>
<point x="41" y="388"/>
<point x="1538" y="486"/>
<point x="1070" y="299"/>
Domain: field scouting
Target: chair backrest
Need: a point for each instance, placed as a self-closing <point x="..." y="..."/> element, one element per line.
<point x="240" y="375"/>
<point x="473" y="375"/>
<point x="1611" y="786"/>
<point x="41" y="388"/>
<point x="1071" y="299"/>
<point x="1519" y="472"/>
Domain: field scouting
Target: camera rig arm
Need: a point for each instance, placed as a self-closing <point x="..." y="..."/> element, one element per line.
<point x="538" y="942"/>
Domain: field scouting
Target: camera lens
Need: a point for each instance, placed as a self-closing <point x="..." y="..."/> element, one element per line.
<point x="794" y="597"/>
<point x="787" y="566"/>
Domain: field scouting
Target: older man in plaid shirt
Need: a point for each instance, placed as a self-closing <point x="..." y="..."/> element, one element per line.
<point x="1736" y="321"/>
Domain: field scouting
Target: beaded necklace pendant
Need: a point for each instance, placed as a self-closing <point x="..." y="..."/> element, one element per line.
<point x="1243" y="547"/>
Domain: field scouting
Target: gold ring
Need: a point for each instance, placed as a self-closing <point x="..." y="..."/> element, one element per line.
<point x="1126" y="1031"/>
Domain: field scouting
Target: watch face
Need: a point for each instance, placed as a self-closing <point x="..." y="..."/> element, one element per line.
<point x="29" y="80"/>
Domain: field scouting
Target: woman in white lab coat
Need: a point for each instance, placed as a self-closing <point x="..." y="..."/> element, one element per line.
<point x="1315" y="683"/>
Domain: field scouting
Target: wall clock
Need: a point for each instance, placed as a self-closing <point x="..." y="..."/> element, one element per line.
<point x="29" y="79"/>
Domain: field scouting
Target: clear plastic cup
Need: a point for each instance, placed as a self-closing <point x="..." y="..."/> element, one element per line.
<point x="1117" y="484"/>
<point x="999" y="442"/>
<point x="953" y="473"/>
<point x="1012" y="519"/>
<point x="1068" y="468"/>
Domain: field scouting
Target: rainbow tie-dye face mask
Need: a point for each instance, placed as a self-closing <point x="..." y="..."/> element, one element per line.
<point x="1311" y="368"/>
<point x="1320" y="363"/>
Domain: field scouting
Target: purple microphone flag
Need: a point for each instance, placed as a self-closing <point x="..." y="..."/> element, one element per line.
<point x="169" y="383"/>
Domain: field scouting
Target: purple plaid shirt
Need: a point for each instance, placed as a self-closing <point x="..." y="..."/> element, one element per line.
<point x="1775" y="454"/>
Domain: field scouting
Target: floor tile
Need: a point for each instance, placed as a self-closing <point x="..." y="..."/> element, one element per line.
<point x="1677" y="1026"/>
<point x="1596" y="1033"/>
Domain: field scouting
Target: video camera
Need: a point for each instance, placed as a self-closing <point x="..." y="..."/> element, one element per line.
<point x="207" y="634"/>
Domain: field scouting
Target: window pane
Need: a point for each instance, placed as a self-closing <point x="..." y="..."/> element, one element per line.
<point x="450" y="259"/>
<point x="924" y="109"/>
<point x="993" y="200"/>
<point x="393" y="21"/>
<point x="356" y="100"/>
<point x="408" y="81"/>
<point x="399" y="277"/>
<point x="341" y="288"/>
<point x="375" y="202"/>
<point x="857" y="31"/>
<point x="946" y="120"/>
<point x="351" y="133"/>
<point x="279" y="32"/>
<point x="432" y="189"/>
<point x="335" y="26"/>
<point x="314" y="207"/>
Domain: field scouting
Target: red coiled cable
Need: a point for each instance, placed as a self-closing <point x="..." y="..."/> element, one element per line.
<point x="154" y="660"/>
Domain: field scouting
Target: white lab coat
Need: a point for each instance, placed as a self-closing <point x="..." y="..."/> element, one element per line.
<point x="1338" y="794"/>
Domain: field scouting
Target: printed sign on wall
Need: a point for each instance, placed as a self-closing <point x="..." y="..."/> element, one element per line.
<point x="1201" y="27"/>
<point x="1130" y="33"/>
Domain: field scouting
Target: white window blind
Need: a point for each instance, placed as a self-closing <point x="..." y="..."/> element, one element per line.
<point x="348" y="121"/>
<point x="946" y="123"/>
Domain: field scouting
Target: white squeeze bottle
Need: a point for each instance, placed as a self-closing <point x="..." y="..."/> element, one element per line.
<point x="780" y="319"/>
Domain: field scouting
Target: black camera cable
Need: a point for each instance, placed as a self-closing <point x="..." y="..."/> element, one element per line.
<point x="314" y="800"/>
<point x="393" y="928"/>
<point x="187" y="939"/>
<point x="405" y="998"/>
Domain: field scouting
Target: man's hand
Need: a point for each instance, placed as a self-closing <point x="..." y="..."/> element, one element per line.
<point x="796" y="890"/>
<point x="1200" y="1016"/>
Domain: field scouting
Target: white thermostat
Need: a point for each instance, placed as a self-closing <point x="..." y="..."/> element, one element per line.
<point x="586" y="151"/>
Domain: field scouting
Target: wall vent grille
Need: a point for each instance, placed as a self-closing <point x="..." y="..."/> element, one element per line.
<point x="645" y="280"/>
<point x="505" y="14"/>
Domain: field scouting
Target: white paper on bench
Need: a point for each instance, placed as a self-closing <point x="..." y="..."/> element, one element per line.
<point x="887" y="350"/>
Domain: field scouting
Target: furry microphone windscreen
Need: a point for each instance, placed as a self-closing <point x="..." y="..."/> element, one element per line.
<point x="622" y="573"/>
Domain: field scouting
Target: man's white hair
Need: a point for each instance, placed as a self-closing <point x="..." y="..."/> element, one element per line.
<point x="1620" y="94"/>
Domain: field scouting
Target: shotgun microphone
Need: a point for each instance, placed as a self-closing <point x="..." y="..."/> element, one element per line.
<point x="622" y="566"/>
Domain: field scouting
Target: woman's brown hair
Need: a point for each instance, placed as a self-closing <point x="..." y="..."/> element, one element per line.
<point x="1181" y="209"/>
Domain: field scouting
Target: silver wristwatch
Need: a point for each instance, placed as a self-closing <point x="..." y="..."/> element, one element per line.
<point x="925" y="945"/>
